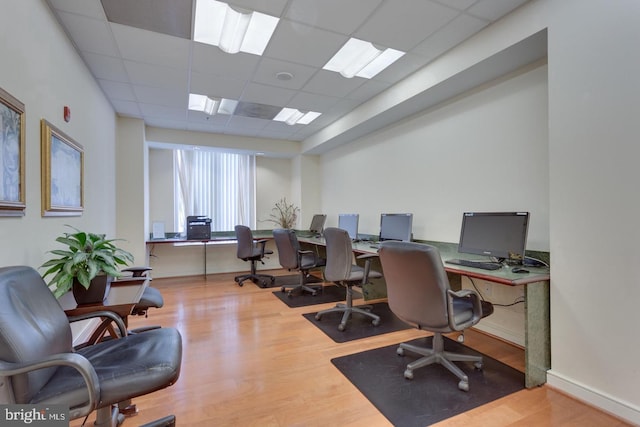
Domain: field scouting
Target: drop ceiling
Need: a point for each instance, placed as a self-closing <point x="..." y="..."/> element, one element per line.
<point x="142" y="54"/>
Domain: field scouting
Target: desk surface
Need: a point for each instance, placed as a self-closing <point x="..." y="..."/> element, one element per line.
<point x="447" y="251"/>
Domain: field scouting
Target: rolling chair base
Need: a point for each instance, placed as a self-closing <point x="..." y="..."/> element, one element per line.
<point x="348" y="308"/>
<point x="301" y="287"/>
<point x="259" y="279"/>
<point x="436" y="354"/>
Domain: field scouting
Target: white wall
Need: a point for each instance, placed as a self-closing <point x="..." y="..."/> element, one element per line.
<point x="42" y="70"/>
<point x="486" y="151"/>
<point x="593" y="132"/>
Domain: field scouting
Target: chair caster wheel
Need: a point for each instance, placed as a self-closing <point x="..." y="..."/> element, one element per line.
<point x="282" y="289"/>
<point x="375" y="322"/>
<point x="342" y="327"/>
<point x="273" y="280"/>
<point x="409" y="375"/>
<point x="478" y="366"/>
<point x="318" y="316"/>
<point x="400" y="351"/>
<point x="463" y="385"/>
<point x="460" y="338"/>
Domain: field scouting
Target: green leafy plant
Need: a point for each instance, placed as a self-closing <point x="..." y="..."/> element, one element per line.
<point x="86" y="256"/>
<point x="284" y="214"/>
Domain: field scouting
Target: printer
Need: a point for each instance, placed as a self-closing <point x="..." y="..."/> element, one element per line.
<point x="198" y="228"/>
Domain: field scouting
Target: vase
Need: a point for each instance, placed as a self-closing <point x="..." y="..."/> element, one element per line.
<point x="96" y="293"/>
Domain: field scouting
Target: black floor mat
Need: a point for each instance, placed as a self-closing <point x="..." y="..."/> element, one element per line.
<point x="433" y="394"/>
<point x="327" y="293"/>
<point x="359" y="326"/>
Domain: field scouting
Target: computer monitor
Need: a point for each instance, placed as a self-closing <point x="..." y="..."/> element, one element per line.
<point x="501" y="235"/>
<point x="317" y="223"/>
<point x="349" y="223"/>
<point x="396" y="226"/>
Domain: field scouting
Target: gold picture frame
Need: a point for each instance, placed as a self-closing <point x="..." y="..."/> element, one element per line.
<point x="12" y="149"/>
<point x="62" y="173"/>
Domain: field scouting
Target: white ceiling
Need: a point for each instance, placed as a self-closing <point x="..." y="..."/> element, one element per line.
<point x="147" y="64"/>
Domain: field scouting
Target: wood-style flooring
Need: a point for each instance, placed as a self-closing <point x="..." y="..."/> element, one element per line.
<point x="250" y="360"/>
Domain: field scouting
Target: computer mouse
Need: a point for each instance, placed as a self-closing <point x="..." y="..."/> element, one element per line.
<point x="519" y="270"/>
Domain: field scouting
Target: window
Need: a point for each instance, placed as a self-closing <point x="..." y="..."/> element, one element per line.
<point x="217" y="185"/>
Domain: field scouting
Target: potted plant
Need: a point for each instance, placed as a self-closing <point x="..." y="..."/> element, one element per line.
<point x="87" y="266"/>
<point x="284" y="214"/>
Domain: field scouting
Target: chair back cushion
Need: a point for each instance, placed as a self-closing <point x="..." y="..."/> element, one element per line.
<point x="417" y="284"/>
<point x="288" y="247"/>
<point x="245" y="242"/>
<point x="32" y="326"/>
<point x="339" y="255"/>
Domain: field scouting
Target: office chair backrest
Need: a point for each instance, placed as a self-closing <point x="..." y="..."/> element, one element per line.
<point x="245" y="241"/>
<point x="288" y="247"/>
<point x="339" y="254"/>
<point x="32" y="326"/>
<point x="417" y="284"/>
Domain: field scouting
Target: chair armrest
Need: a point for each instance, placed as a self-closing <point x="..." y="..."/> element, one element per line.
<point x="74" y="360"/>
<point x="476" y="306"/>
<point x="262" y="243"/>
<point x="102" y="314"/>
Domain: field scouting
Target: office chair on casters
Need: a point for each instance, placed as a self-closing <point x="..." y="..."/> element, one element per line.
<point x="252" y="251"/>
<point x="292" y="257"/>
<point x="419" y="294"/>
<point x="341" y="270"/>
<point x="151" y="297"/>
<point x="38" y="364"/>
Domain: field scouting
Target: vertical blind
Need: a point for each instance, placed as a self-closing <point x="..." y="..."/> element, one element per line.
<point x="217" y="185"/>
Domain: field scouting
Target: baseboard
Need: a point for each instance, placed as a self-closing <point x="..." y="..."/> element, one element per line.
<point x="622" y="410"/>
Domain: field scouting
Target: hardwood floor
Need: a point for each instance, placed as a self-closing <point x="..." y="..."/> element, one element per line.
<point x="249" y="360"/>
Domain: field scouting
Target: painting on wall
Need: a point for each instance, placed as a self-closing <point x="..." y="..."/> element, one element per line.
<point x="62" y="173"/>
<point x="12" y="141"/>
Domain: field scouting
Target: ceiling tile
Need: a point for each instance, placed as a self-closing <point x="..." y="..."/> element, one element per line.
<point x="90" y="8"/>
<point x="89" y="34"/>
<point x="161" y="96"/>
<point x="368" y="90"/>
<point x="215" y="86"/>
<point x="461" y="28"/>
<point x="162" y="111"/>
<point x="171" y="17"/>
<point x="211" y="60"/>
<point x="305" y="101"/>
<point x="494" y="9"/>
<point x="106" y="67"/>
<point x="270" y="95"/>
<point x="302" y="44"/>
<point x="268" y="68"/>
<point x="127" y="108"/>
<point x="322" y="14"/>
<point x="117" y="90"/>
<point x="153" y="75"/>
<point x="417" y="19"/>
<point x="153" y="48"/>
<point x="270" y="7"/>
<point x="332" y="84"/>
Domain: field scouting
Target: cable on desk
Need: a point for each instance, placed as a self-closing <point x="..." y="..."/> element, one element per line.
<point x="519" y="300"/>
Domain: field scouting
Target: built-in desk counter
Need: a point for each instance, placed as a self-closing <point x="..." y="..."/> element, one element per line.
<point x="537" y="339"/>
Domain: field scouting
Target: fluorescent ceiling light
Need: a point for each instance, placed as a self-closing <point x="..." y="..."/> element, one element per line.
<point x="211" y="106"/>
<point x="218" y="24"/>
<point x="361" y="58"/>
<point x="292" y="116"/>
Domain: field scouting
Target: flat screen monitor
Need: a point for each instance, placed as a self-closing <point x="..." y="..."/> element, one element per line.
<point x="349" y="222"/>
<point x="317" y="223"/>
<point x="396" y="226"/>
<point x="500" y="235"/>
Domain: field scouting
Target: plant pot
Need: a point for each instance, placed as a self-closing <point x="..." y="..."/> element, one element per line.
<point x="97" y="292"/>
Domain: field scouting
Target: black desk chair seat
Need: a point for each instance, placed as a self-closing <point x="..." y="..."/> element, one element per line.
<point x="38" y="364"/>
<point x="252" y="251"/>
<point x="293" y="258"/>
<point x="419" y="294"/>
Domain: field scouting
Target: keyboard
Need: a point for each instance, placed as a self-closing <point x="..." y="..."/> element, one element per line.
<point x="485" y="265"/>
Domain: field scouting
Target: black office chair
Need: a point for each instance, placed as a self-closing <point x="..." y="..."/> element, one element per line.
<point x="341" y="270"/>
<point x="419" y="294"/>
<point x="151" y="297"/>
<point x="38" y="364"/>
<point x="292" y="257"/>
<point x="253" y="251"/>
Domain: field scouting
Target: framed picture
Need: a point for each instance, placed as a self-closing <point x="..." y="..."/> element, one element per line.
<point x="62" y="173"/>
<point x="12" y="147"/>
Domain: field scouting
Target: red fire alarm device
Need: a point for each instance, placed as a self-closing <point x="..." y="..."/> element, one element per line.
<point x="67" y="113"/>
